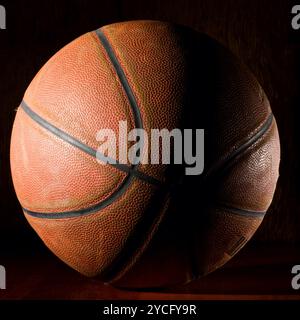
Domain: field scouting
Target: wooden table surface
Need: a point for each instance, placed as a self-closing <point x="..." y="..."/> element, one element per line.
<point x="256" y="273"/>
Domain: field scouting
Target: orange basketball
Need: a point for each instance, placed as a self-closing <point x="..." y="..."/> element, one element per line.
<point x="100" y="219"/>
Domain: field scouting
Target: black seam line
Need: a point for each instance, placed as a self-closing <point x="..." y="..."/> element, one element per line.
<point x="264" y="128"/>
<point x="132" y="171"/>
<point x="83" y="147"/>
<point x="122" y="77"/>
<point x="241" y="212"/>
<point x="76" y="143"/>
<point x="77" y="213"/>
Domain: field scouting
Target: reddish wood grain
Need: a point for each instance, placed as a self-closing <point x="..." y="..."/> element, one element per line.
<point x="256" y="273"/>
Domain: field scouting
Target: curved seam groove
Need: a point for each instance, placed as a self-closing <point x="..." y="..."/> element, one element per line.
<point x="85" y="211"/>
<point x="76" y="143"/>
<point x="131" y="171"/>
<point x="252" y="139"/>
<point x="239" y="150"/>
<point x="260" y="133"/>
<point x="241" y="212"/>
<point x="122" y="77"/>
<point x="85" y="148"/>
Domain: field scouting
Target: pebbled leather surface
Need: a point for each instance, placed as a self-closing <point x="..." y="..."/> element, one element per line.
<point x="180" y="78"/>
<point x="152" y="59"/>
<point x="249" y="182"/>
<point x="215" y="90"/>
<point x="203" y="228"/>
<point x="77" y="90"/>
<point x="52" y="176"/>
<point x="90" y="243"/>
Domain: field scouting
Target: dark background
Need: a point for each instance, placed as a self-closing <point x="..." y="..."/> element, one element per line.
<point x="259" y="32"/>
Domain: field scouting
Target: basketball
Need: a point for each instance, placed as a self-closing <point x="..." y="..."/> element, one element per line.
<point x="103" y="219"/>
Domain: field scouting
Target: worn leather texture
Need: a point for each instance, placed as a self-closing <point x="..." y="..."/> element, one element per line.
<point x="179" y="79"/>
